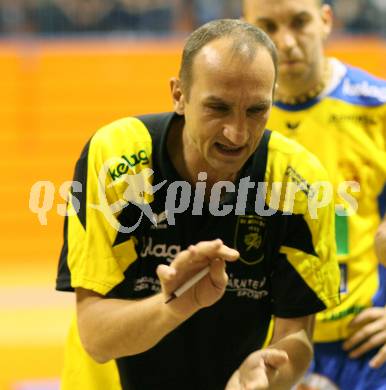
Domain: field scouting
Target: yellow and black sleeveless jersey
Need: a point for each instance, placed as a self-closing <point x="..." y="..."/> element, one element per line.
<point x="134" y="212"/>
<point x="346" y="129"/>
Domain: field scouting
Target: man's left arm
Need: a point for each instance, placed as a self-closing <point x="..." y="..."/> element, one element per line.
<point x="380" y="236"/>
<point x="370" y="333"/>
<point x="283" y="362"/>
<point x="369" y="326"/>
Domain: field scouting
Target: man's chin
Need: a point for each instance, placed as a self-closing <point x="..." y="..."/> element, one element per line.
<point x="290" y="70"/>
<point x="227" y="169"/>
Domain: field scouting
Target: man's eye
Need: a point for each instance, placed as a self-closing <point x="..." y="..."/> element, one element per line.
<point x="218" y="107"/>
<point x="268" y="27"/>
<point x="299" y="23"/>
<point x="256" y="110"/>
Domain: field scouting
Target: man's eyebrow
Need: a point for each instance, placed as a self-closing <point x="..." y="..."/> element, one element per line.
<point x="258" y="104"/>
<point x="214" y="99"/>
<point x="261" y="104"/>
<point x="301" y="14"/>
<point x="265" y="19"/>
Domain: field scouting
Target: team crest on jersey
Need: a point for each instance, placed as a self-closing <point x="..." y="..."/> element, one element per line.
<point x="249" y="238"/>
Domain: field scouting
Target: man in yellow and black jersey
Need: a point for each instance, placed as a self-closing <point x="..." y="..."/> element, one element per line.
<point x="166" y="195"/>
<point x="338" y="112"/>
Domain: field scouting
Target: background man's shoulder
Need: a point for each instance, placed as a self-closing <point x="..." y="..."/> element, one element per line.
<point x="359" y="87"/>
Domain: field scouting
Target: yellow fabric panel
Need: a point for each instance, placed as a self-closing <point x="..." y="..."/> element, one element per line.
<point x="94" y="262"/>
<point x="334" y="322"/>
<point x="319" y="272"/>
<point x="299" y="168"/>
<point x="323" y="279"/>
<point x="82" y="372"/>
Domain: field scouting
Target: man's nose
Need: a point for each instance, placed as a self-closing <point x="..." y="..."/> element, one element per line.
<point x="285" y="39"/>
<point x="236" y="132"/>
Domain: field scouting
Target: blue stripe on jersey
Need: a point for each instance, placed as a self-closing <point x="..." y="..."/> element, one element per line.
<point x="382" y="202"/>
<point x="379" y="298"/>
<point x="356" y="87"/>
<point x="297" y="107"/>
<point x="360" y="88"/>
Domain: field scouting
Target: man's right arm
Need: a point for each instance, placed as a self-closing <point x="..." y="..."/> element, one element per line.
<point x="112" y="328"/>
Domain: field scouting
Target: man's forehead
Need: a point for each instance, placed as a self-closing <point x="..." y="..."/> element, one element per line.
<point x="222" y="58"/>
<point x="229" y="68"/>
<point x="212" y="52"/>
<point x="262" y="9"/>
<point x="216" y="51"/>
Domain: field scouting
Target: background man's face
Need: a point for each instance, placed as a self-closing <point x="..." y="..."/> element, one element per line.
<point x="298" y="28"/>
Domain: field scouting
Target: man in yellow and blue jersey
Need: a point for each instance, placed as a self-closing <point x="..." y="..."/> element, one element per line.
<point x="337" y="112"/>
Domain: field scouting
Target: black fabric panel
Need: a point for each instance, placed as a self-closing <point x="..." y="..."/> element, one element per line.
<point x="199" y="355"/>
<point x="299" y="235"/>
<point x="80" y="175"/>
<point x="382" y="202"/>
<point x="156" y="124"/>
<point x="288" y="286"/>
<point x="254" y="168"/>
<point x="63" y="280"/>
<point x="261" y="157"/>
<point x="129" y="216"/>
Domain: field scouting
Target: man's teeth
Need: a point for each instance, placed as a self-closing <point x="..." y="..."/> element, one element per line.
<point x="228" y="148"/>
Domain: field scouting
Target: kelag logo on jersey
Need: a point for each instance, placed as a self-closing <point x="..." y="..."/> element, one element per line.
<point x="159" y="250"/>
<point x="364" y="120"/>
<point x="249" y="238"/>
<point x="129" y="162"/>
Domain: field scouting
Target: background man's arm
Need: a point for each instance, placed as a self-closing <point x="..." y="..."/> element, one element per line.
<point x="283" y="362"/>
<point x="380" y="242"/>
<point x="369" y="326"/>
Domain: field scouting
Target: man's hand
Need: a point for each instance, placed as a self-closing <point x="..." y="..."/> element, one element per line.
<point x="370" y="333"/>
<point x="282" y="364"/>
<point x="380" y="243"/>
<point x="258" y="370"/>
<point x="188" y="263"/>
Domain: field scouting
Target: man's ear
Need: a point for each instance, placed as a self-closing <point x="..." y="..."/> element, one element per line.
<point x="177" y="96"/>
<point x="275" y="89"/>
<point x="327" y="18"/>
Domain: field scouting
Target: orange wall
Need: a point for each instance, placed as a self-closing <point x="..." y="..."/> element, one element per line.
<point x="368" y="54"/>
<point x="55" y="94"/>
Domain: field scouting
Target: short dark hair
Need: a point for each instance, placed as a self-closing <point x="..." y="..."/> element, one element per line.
<point x="241" y="32"/>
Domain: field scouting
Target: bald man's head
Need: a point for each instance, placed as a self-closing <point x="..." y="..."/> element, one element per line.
<point x="246" y="39"/>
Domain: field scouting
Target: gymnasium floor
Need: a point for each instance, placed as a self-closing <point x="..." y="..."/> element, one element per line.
<point x="33" y="326"/>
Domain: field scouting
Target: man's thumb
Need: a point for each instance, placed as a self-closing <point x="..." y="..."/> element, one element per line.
<point x="275" y="357"/>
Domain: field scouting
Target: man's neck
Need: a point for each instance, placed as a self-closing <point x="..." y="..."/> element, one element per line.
<point x="293" y="91"/>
